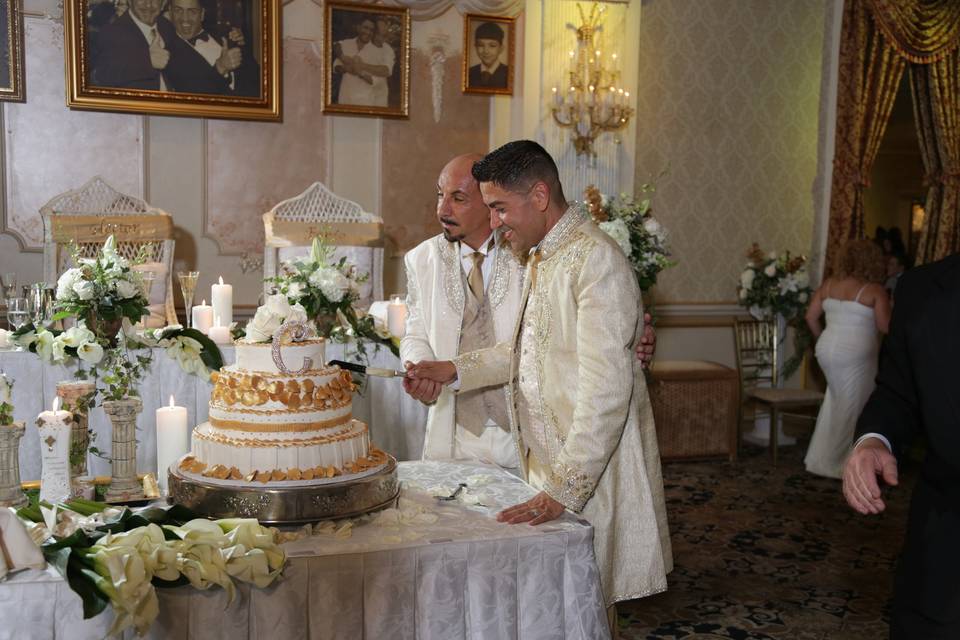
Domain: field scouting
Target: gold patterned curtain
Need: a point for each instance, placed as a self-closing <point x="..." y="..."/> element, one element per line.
<point x="870" y="71"/>
<point x="878" y="38"/>
<point x="936" y="105"/>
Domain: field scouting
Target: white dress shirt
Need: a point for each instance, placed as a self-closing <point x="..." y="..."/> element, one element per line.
<point x="489" y="250"/>
<point x="149" y="33"/>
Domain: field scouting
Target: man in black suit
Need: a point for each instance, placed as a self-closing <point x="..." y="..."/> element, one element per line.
<point x="918" y="393"/>
<point x="132" y="51"/>
<point x="201" y="64"/>
<point x="488" y="41"/>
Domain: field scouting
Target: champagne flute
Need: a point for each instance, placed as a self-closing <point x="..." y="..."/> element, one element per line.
<point x="146" y="288"/>
<point x="18" y="312"/>
<point x="9" y="283"/>
<point x="188" y="286"/>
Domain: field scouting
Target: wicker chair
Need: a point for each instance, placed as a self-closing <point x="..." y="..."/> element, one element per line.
<point x="759" y="371"/>
<point x="85" y="217"/>
<point x="291" y="225"/>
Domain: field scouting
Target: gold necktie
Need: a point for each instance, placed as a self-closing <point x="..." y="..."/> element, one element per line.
<point x="475" y="278"/>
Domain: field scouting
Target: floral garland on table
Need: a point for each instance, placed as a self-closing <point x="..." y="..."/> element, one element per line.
<point x="326" y="291"/>
<point x="773" y="284"/>
<point x="630" y="222"/>
<point x="118" y="557"/>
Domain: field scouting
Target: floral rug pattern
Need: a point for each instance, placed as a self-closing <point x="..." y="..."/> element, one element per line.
<point x="763" y="553"/>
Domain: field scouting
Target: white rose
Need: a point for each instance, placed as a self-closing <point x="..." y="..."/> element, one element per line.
<point x="743" y="294"/>
<point x="803" y="297"/>
<point x="297" y="314"/>
<point x="90" y="352"/>
<point x="651" y="226"/>
<point x="771" y="270"/>
<point x="617" y="229"/>
<point x="333" y="284"/>
<point x="263" y="325"/>
<point x="84" y="289"/>
<point x="6" y="342"/>
<point x="75" y="336"/>
<point x="746" y="279"/>
<point x="126" y="289"/>
<point x="294" y="291"/>
<point x="66" y="282"/>
<point x="803" y="280"/>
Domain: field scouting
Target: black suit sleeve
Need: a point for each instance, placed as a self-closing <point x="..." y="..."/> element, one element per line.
<point x="893" y="409"/>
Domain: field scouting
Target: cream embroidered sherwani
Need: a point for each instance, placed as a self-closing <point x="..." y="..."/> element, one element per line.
<point x="579" y="400"/>
<point x="435" y="303"/>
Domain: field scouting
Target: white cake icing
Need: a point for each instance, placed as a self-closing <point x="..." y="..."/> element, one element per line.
<point x="276" y="425"/>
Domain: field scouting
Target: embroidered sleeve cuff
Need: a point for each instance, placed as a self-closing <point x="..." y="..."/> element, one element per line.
<point x="569" y="487"/>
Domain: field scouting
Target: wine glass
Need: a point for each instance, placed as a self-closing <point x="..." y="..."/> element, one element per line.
<point x="9" y="283"/>
<point x="18" y="312"/>
<point x="188" y="286"/>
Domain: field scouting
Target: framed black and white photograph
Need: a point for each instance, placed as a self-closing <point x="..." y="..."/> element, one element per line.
<point x="367" y="49"/>
<point x="206" y="58"/>
<point x="11" y="51"/>
<point x="488" y="54"/>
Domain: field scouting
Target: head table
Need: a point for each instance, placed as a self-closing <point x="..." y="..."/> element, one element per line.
<point x="454" y="575"/>
<point x="397" y="422"/>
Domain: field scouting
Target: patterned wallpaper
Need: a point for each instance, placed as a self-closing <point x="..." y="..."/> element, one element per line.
<point x="728" y="102"/>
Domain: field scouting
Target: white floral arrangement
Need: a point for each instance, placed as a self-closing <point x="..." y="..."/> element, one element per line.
<point x="6" y="339"/>
<point x="195" y="353"/>
<point x="631" y="224"/>
<point x="774" y="284"/>
<point x="269" y="317"/>
<point x="317" y="284"/>
<point x="6" y="399"/>
<point x="105" y="286"/>
<point x="122" y="568"/>
<point x="59" y="347"/>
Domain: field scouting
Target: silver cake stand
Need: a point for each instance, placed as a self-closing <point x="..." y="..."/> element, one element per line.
<point x="287" y="505"/>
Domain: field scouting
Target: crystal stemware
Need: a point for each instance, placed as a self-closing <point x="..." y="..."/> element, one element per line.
<point x="188" y="286"/>
<point x="18" y="312"/>
<point x="9" y="283"/>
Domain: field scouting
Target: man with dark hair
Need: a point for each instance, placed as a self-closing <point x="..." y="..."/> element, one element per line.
<point x="491" y="73"/>
<point x="463" y="294"/>
<point x="206" y="66"/>
<point x="365" y="67"/>
<point x="579" y="402"/>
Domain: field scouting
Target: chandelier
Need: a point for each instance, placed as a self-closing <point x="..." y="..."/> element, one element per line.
<point x="593" y="102"/>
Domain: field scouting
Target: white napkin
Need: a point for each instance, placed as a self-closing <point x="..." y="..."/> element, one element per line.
<point x="17" y="550"/>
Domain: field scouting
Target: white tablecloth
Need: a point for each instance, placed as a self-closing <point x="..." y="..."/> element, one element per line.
<point x="397" y="422"/>
<point x="463" y="576"/>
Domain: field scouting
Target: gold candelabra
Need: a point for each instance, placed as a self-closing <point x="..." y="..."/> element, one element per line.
<point x="594" y="101"/>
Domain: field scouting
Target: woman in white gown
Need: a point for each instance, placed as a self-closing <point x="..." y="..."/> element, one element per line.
<point x="857" y="308"/>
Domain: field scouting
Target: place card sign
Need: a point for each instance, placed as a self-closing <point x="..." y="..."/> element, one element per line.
<point x="131" y="228"/>
<point x="296" y="233"/>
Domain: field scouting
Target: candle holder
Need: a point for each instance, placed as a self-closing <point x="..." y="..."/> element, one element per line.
<point x="76" y="399"/>
<point x="188" y="286"/>
<point x="123" y="477"/>
<point x="11" y="494"/>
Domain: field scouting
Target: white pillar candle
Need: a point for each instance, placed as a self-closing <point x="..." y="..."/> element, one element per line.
<point x="221" y="297"/>
<point x="218" y="333"/>
<point x="202" y="317"/>
<point x="397" y="316"/>
<point x="173" y="439"/>
<point x="54" y="427"/>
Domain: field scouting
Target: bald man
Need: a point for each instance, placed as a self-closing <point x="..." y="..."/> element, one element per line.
<point x="463" y="293"/>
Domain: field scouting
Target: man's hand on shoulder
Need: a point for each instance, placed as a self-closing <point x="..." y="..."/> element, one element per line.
<point x="869" y="459"/>
<point x="648" y="343"/>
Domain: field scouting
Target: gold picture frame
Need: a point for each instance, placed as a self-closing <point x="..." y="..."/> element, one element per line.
<point x="384" y="32"/>
<point x="498" y="28"/>
<point x="111" y="67"/>
<point x="11" y="51"/>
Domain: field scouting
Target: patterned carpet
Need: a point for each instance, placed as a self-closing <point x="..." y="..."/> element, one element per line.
<point x="770" y="553"/>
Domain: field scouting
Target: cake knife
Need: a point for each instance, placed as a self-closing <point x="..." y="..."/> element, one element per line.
<point x="370" y="371"/>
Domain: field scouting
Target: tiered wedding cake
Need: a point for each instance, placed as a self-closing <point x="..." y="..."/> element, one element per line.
<point x="285" y="421"/>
